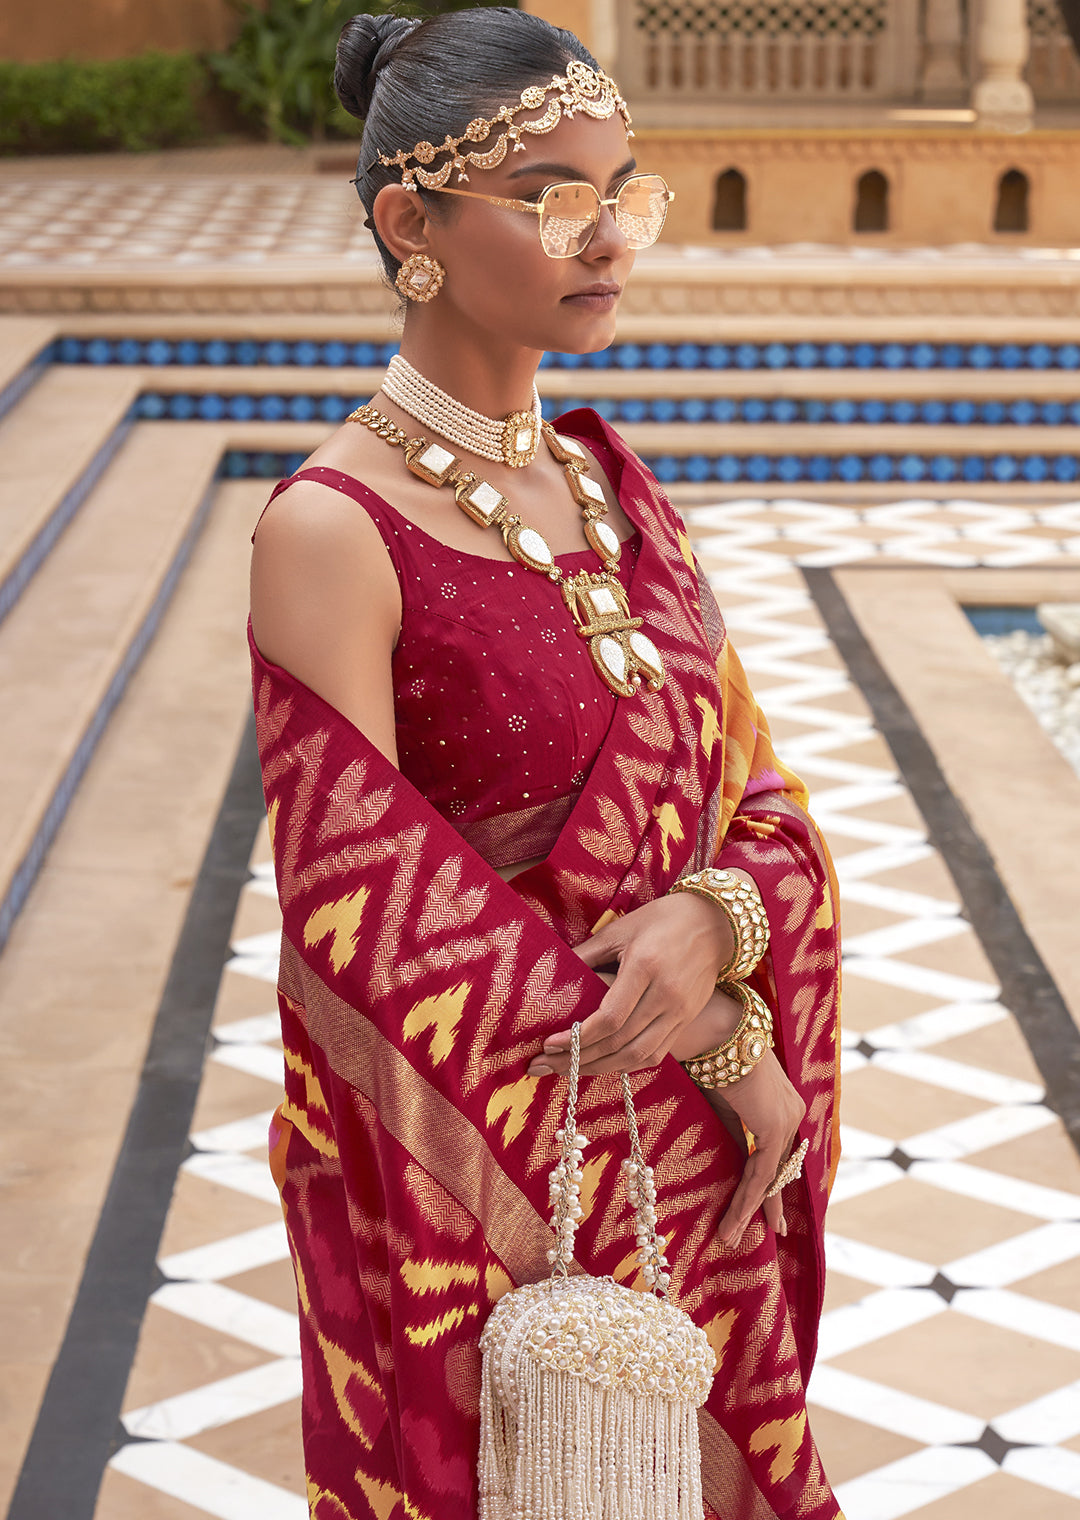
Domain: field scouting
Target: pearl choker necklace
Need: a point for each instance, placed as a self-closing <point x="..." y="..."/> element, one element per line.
<point x="511" y="440"/>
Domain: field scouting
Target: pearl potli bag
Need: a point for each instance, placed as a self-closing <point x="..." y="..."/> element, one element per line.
<point x="590" y="1391"/>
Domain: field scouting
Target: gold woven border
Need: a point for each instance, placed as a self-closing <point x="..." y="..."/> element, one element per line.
<point x="429" y="1127"/>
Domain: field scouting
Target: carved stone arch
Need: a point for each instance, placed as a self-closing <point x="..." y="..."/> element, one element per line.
<point x="729" y="202"/>
<point x="1012" y="208"/>
<point x="871" y="213"/>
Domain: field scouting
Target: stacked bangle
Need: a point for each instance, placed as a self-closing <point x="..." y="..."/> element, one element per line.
<point x="741" y="902"/>
<point x="737" y="1056"/>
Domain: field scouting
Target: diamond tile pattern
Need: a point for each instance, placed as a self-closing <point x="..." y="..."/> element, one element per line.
<point x="948" y="1382"/>
<point x="190" y="221"/>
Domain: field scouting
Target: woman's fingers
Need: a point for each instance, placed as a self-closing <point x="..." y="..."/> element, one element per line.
<point x="749" y="1195"/>
<point x="604" y="946"/>
<point x="773" y="1209"/>
<point x="768" y="1106"/>
<point x="668" y="953"/>
<point x="621" y="1016"/>
<point x="626" y="1033"/>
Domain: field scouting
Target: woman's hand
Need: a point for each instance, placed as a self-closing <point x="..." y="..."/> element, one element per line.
<point x="766" y="1104"/>
<point x="668" y="954"/>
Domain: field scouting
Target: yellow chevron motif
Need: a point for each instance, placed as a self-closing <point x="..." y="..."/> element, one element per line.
<point x="710" y="724"/>
<point x="429" y="1276"/>
<point x="342" y="920"/>
<point x="719" y="1330"/>
<point x="496" y="1282"/>
<point x="314" y="1105"/>
<point x="513" y="1101"/>
<point x="426" y="1335"/>
<point x="441" y="1014"/>
<point x="786" y="1438"/>
<point x="671" y="829"/>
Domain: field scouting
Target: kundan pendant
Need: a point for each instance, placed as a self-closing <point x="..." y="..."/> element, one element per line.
<point x="623" y="656"/>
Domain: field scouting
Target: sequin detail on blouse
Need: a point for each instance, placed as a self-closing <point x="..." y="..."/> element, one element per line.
<point x="499" y="711"/>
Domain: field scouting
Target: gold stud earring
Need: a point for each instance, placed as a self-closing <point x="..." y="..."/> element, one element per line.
<point x="420" y="277"/>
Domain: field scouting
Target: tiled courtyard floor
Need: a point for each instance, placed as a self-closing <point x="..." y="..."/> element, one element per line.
<point x="249" y="204"/>
<point x="948" y="1384"/>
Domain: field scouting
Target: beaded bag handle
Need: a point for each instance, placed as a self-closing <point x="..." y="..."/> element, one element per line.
<point x="565" y="1187"/>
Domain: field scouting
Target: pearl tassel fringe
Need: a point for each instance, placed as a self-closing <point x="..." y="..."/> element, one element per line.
<point x="590" y="1390"/>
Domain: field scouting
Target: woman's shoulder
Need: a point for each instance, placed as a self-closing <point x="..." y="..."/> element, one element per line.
<point x="312" y="516"/>
<point x="325" y="525"/>
<point x="318" y="503"/>
<point x="323" y="586"/>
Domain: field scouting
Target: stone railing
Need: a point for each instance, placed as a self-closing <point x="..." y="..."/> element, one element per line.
<point x="759" y="49"/>
<point x="704" y="52"/>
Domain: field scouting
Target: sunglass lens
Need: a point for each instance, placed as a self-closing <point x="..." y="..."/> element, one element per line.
<point x="568" y="218"/>
<point x="641" y="209"/>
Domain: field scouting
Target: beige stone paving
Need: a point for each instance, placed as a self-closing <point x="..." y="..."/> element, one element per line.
<point x="980" y="1371"/>
<point x="105" y="930"/>
<point x="82" y="973"/>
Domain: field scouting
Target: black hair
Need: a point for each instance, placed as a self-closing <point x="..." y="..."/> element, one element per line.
<point x="415" y="81"/>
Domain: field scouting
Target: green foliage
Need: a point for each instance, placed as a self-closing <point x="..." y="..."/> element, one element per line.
<point x="151" y="101"/>
<point x="280" y="68"/>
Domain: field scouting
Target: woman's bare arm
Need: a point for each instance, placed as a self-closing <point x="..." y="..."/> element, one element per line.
<point x="325" y="604"/>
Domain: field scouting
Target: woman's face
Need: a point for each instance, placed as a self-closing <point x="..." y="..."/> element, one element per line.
<point x="500" y="281"/>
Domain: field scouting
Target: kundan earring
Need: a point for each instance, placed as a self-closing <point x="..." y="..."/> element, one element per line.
<point x="420" y="277"/>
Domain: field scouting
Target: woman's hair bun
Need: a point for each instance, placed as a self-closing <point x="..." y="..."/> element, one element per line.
<point x="365" y="46"/>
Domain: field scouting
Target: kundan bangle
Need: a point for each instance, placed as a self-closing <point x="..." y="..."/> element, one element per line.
<point x="737" y="1056"/>
<point x="741" y="902"/>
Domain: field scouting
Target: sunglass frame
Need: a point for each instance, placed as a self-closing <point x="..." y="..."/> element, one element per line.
<point x="537" y="206"/>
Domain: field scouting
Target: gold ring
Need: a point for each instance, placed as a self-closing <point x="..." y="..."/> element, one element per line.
<point x="790" y="1171"/>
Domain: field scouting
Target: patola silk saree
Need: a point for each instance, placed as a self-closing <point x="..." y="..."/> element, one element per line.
<point x="412" y="1152"/>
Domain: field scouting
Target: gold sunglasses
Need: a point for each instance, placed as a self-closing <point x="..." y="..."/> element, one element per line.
<point x="569" y="212"/>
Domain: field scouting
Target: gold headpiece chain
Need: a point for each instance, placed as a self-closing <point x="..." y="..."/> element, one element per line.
<point x="581" y="88"/>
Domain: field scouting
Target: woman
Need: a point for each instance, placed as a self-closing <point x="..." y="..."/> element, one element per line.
<point x="499" y="723"/>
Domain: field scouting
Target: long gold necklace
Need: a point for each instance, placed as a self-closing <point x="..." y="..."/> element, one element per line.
<point x="623" y="656"/>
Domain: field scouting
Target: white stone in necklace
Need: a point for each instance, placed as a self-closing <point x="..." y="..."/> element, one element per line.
<point x="511" y="440"/>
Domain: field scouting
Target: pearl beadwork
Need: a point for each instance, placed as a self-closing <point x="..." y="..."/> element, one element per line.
<point x="590" y="1390"/>
<point x="511" y="440"/>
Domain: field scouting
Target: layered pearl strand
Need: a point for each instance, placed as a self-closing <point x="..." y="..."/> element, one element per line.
<point x="511" y="440"/>
<point x="589" y="1390"/>
<point x="641" y="1190"/>
<point x="564" y="1189"/>
<point x="564" y="1194"/>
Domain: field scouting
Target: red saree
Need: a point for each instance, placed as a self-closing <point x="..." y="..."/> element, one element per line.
<point x="411" y="1151"/>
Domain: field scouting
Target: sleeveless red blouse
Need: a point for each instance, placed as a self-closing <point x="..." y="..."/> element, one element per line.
<point x="499" y="711"/>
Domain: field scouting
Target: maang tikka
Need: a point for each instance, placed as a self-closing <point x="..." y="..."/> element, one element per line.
<point x="581" y="88"/>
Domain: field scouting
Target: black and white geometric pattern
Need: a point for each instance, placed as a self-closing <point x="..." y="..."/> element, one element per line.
<point x="959" y="1369"/>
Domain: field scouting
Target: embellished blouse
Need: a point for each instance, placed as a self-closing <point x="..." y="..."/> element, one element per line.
<point x="499" y="711"/>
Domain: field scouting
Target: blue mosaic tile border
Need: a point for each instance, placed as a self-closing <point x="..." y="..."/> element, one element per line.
<point x="789" y="469"/>
<point x="17" y="387"/>
<point x="658" y="356"/>
<point x="39" y="547"/>
<point x="212" y="407"/>
<point x="26" y="872"/>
